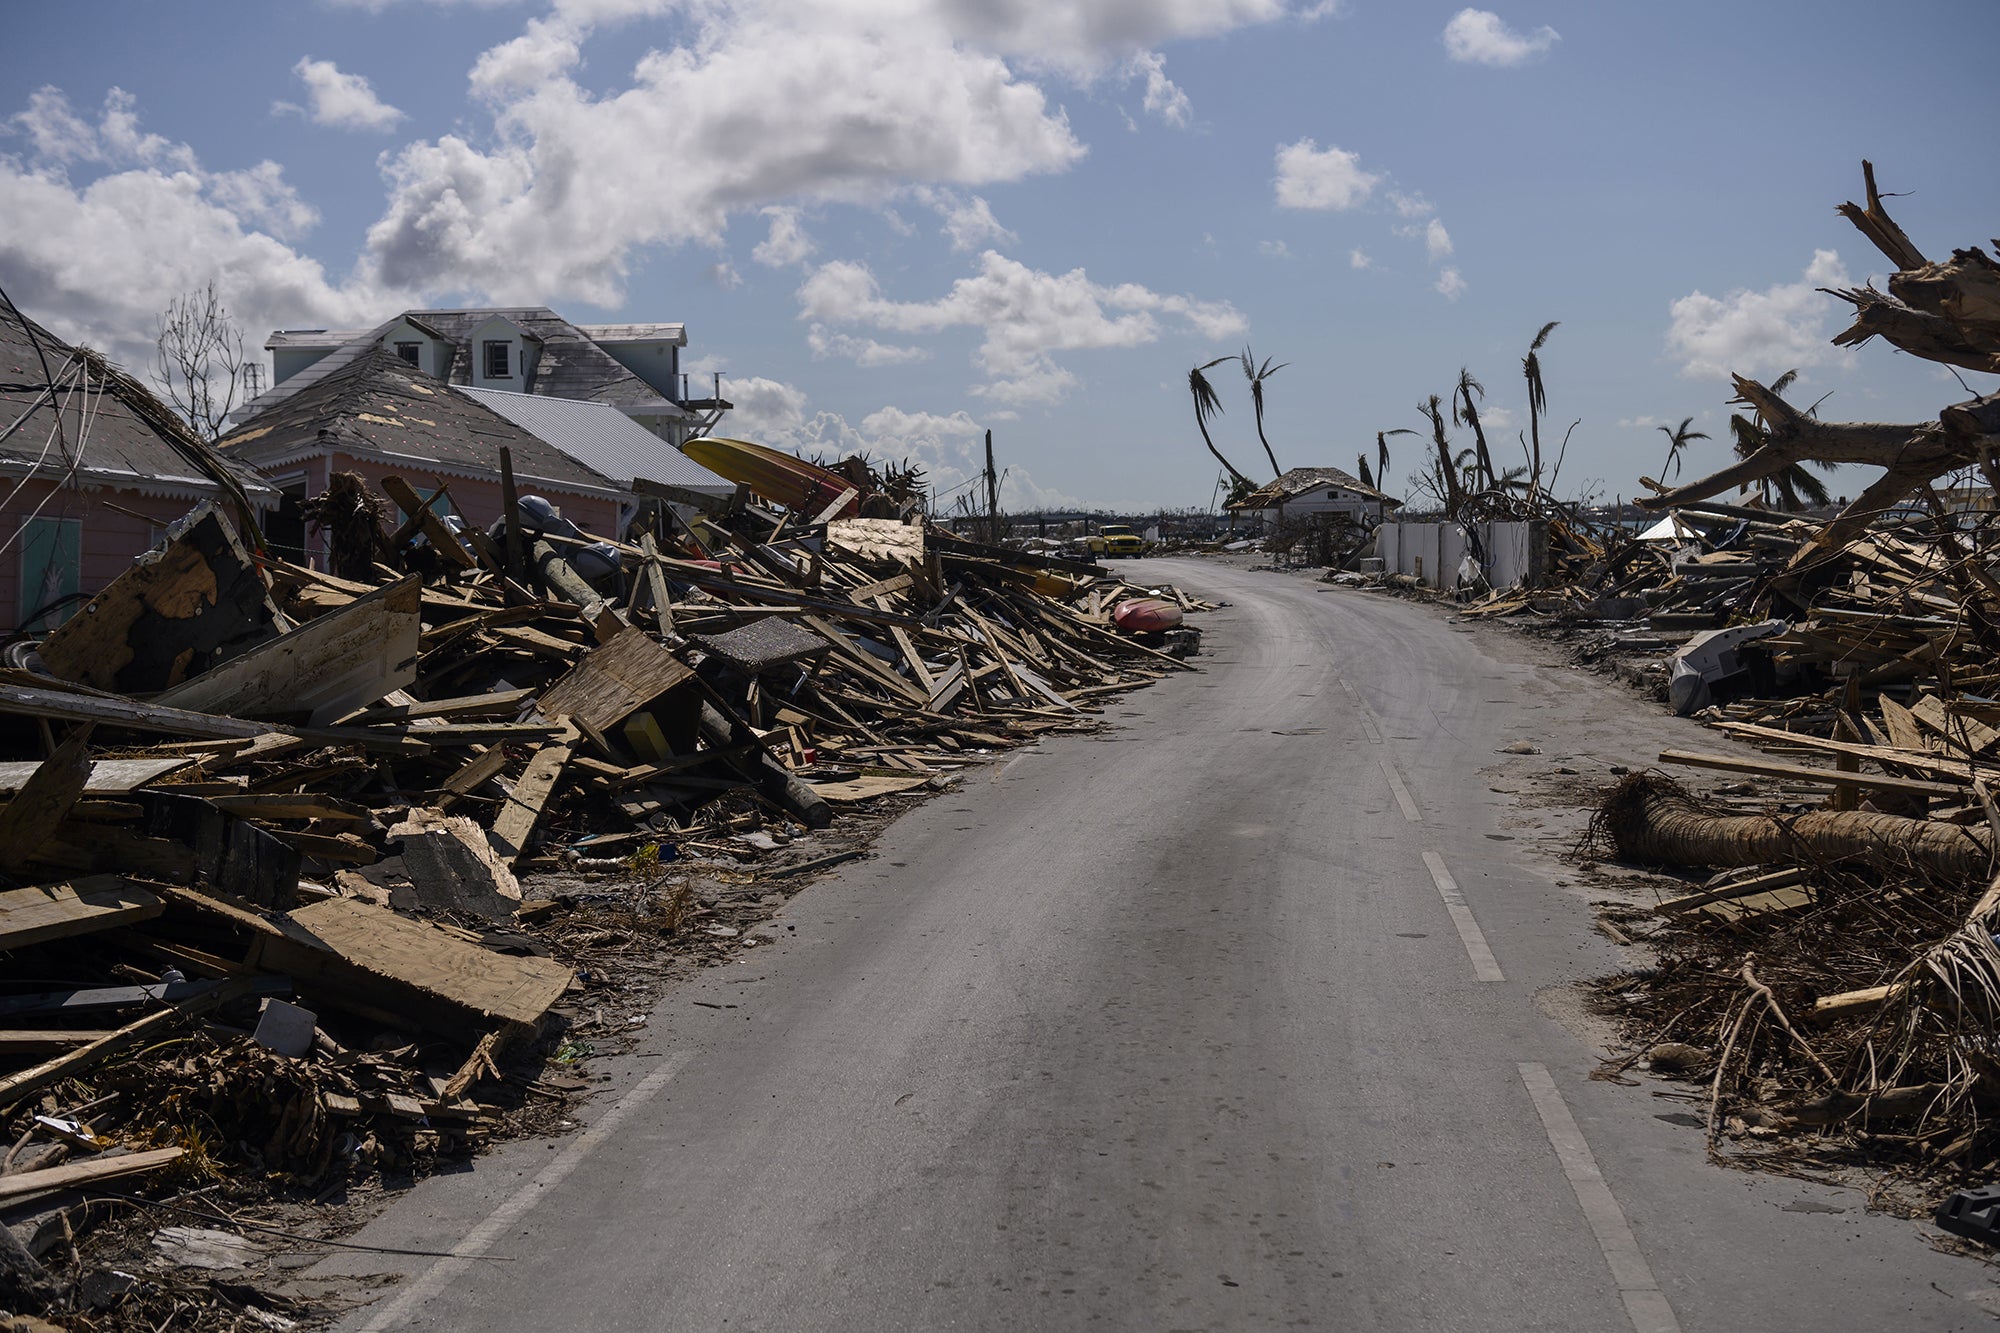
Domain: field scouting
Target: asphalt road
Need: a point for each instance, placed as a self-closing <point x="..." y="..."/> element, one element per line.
<point x="1250" y="1012"/>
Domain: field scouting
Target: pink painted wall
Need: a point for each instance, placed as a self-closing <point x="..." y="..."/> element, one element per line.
<point x="479" y="502"/>
<point x="109" y="540"/>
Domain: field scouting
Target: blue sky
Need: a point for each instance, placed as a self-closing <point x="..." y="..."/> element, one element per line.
<point x="893" y="224"/>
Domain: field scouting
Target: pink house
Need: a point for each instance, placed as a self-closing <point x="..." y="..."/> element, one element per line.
<point x="93" y="468"/>
<point x="379" y="415"/>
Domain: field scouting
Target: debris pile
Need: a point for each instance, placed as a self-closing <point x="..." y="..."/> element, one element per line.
<point x="273" y="839"/>
<point x="1834" y="989"/>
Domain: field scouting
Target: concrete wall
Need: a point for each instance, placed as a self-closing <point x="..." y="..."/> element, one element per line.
<point x="1513" y="551"/>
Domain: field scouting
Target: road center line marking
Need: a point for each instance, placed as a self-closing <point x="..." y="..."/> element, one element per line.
<point x="1645" y="1304"/>
<point x="478" y="1240"/>
<point x="1403" y="798"/>
<point x="1484" y="965"/>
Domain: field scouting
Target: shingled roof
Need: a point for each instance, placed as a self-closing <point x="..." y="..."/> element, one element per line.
<point x="381" y="407"/>
<point x="571" y="363"/>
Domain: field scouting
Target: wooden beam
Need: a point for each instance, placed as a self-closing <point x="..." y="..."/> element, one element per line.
<point x="29" y="820"/>
<point x="442" y="539"/>
<point x="1799" y="772"/>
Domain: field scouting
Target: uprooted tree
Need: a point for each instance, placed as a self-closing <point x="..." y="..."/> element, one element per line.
<point x="1945" y="311"/>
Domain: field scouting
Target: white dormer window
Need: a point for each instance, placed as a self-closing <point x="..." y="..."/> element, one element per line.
<point x="412" y="353"/>
<point x="496" y="358"/>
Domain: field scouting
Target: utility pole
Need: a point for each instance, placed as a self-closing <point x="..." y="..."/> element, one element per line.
<point x="992" y="495"/>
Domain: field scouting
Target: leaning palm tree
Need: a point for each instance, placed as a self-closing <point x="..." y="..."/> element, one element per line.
<point x="1257" y="374"/>
<point x="1538" y="401"/>
<point x="1382" y="454"/>
<point x="1678" y="439"/>
<point x="1361" y="466"/>
<point x="1464" y="413"/>
<point x="1207" y="405"/>
<point x="1449" y="491"/>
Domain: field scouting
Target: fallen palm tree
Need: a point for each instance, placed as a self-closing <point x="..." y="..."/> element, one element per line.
<point x="1652" y="820"/>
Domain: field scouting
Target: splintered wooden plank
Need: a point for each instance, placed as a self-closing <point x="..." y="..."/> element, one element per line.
<point x="330" y="666"/>
<point x="442" y="539"/>
<point x="656" y="582"/>
<point x="108" y="777"/>
<point x="1903" y="731"/>
<point x="91" y="1169"/>
<point x="28" y="820"/>
<point x="419" y="956"/>
<point x="614" y="680"/>
<point x="517" y="817"/>
<point x="80" y="907"/>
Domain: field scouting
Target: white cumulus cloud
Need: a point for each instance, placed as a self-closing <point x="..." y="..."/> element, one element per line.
<point x="787" y="241"/>
<point x="1322" y="178"/>
<point x="1026" y="316"/>
<point x="1357" y="258"/>
<point x="99" y="260"/>
<point x="1450" y="284"/>
<point x="948" y="446"/>
<point x="1481" y="37"/>
<point x="1757" y="333"/>
<point x="344" y="101"/>
<point x="864" y="352"/>
<point x="1437" y="241"/>
<point x="968" y="219"/>
<point x="1164" y="97"/>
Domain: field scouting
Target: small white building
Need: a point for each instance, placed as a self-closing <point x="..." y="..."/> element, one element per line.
<point x="1307" y="491"/>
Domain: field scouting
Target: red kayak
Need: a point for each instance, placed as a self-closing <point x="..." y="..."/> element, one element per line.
<point x="1146" y="615"/>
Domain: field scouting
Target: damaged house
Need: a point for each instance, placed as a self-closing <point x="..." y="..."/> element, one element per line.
<point x="377" y="415"/>
<point x="94" y="469"/>
<point x="634" y="368"/>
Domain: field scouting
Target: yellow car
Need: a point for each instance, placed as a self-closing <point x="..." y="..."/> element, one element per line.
<point x="1116" y="539"/>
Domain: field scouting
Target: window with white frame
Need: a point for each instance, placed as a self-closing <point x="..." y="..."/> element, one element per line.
<point x="496" y="356"/>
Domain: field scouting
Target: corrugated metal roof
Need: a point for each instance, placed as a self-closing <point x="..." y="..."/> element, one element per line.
<point x="636" y="333"/>
<point x="601" y="437"/>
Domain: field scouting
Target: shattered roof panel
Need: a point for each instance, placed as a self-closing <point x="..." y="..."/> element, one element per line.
<point x="118" y="420"/>
<point x="602" y="437"/>
<point x="379" y="403"/>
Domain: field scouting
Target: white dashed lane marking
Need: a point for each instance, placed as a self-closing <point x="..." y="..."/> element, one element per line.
<point x="1645" y="1303"/>
<point x="1484" y="965"/>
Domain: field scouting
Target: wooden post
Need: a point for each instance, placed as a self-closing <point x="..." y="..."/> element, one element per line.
<point x="992" y="496"/>
<point x="510" y="501"/>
